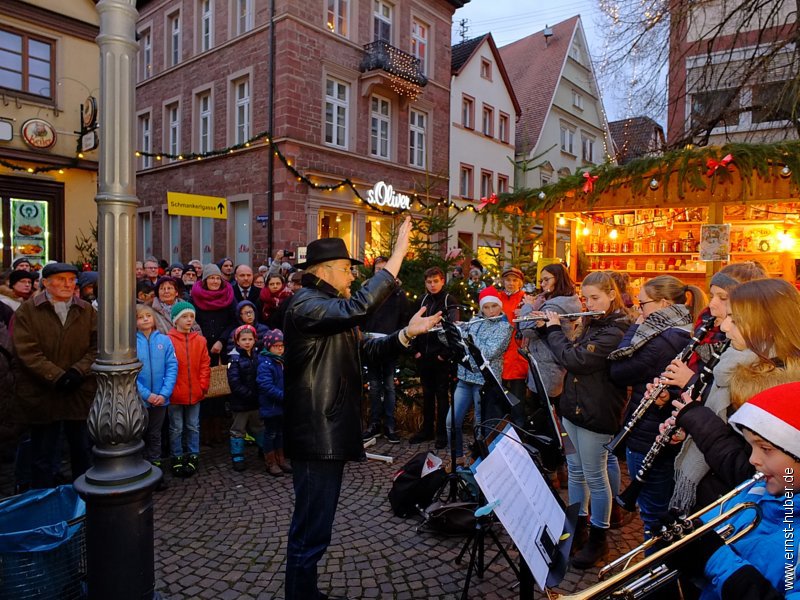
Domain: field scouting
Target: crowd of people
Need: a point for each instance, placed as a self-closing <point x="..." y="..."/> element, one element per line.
<point x="715" y="370"/>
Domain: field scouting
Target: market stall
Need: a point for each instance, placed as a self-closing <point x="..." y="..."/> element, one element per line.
<point x="686" y="213"/>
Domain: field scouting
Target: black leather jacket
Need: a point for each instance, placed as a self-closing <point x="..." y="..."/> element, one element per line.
<point x="590" y="399"/>
<point x="322" y="406"/>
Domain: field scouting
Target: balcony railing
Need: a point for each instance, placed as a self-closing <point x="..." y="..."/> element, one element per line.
<point x="380" y="55"/>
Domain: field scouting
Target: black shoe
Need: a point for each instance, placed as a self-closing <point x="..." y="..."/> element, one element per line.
<point x="373" y="431"/>
<point x="581" y="535"/>
<point x="392" y="437"/>
<point x="420" y="437"/>
<point x="441" y="443"/>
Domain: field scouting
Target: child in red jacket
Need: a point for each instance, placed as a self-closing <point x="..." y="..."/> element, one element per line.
<point x="194" y="378"/>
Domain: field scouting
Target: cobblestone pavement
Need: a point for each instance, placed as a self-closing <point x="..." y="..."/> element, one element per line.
<point x="222" y="535"/>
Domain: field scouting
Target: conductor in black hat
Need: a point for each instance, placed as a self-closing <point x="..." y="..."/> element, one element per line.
<point x="322" y="412"/>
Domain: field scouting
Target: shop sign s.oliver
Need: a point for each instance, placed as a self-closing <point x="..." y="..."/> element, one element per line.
<point x="383" y="194"/>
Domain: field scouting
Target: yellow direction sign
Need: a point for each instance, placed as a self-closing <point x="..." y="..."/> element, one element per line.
<point x="195" y="205"/>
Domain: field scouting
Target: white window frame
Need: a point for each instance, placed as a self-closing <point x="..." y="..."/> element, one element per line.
<point x="205" y="10"/>
<point x="577" y="99"/>
<point x="486" y="183"/>
<point x="487" y="121"/>
<point x="467" y="112"/>
<point x="486" y="69"/>
<point x="338" y="17"/>
<point x="146" y="139"/>
<point x="417" y="138"/>
<point x="243" y="16"/>
<point x="205" y="121"/>
<point x="173" y="237"/>
<point x="420" y="34"/>
<point x="567" y="138"/>
<point x="465" y="183"/>
<point x="174" y="38"/>
<point x="337" y="108"/>
<point x="503" y="127"/>
<point x="502" y="184"/>
<point x="172" y="128"/>
<point x="380" y="20"/>
<point x="380" y="137"/>
<point x="144" y="233"/>
<point x="587" y="148"/>
<point x="241" y="109"/>
<point x="146" y="53"/>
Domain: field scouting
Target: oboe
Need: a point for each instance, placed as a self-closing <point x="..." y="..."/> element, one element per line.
<point x="646" y="403"/>
<point x="627" y="499"/>
<point x="568" y="316"/>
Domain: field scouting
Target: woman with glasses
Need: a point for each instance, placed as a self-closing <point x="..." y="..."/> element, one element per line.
<point x="667" y="308"/>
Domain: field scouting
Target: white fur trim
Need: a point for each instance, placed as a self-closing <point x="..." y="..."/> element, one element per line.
<point x="776" y="431"/>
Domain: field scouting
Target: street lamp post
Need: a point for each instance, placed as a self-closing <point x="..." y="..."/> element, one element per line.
<point x="118" y="489"/>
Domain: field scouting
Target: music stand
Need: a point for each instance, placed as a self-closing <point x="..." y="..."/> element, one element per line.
<point x="545" y="545"/>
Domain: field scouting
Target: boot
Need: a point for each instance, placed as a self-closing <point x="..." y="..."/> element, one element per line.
<point x="237" y="453"/>
<point x="162" y="483"/>
<point x="283" y="464"/>
<point x="595" y="550"/>
<point x="192" y="464"/>
<point x="563" y="476"/>
<point x="619" y="517"/>
<point x="581" y="534"/>
<point x="272" y="464"/>
<point x="260" y="440"/>
<point x="178" y="467"/>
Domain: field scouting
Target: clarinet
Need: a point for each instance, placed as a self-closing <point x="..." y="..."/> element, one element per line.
<point x="645" y="404"/>
<point x="627" y="499"/>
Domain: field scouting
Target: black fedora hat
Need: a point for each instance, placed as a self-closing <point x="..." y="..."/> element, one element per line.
<point x="324" y="250"/>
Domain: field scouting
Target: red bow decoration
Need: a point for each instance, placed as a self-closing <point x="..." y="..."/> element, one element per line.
<point x="713" y="165"/>
<point x="588" y="187"/>
<point x="484" y="201"/>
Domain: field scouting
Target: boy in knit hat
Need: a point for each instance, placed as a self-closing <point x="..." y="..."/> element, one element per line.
<point x="762" y="564"/>
<point x="242" y="366"/>
<point x="194" y="378"/>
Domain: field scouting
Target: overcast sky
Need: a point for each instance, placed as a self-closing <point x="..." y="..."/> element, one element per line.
<point x="510" y="20"/>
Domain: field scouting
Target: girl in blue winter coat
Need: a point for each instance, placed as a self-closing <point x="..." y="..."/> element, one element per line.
<point x="491" y="333"/>
<point x="242" y="367"/>
<point x="270" y="402"/>
<point x="156" y="379"/>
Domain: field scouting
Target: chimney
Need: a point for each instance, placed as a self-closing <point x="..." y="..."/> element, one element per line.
<point x="548" y="33"/>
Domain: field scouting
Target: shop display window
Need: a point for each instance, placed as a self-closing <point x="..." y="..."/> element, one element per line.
<point x="333" y="223"/>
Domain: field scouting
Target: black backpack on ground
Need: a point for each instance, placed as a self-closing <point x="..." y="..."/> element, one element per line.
<point x="410" y="490"/>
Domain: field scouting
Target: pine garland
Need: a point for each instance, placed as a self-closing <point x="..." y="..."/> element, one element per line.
<point x="688" y="165"/>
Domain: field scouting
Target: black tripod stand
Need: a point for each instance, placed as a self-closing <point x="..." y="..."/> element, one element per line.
<point x="476" y="540"/>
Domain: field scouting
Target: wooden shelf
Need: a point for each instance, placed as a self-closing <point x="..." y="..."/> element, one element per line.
<point x="664" y="272"/>
<point x="647" y="253"/>
<point x="759" y="253"/>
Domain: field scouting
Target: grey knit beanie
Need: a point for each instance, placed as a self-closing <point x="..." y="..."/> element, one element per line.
<point x="211" y="269"/>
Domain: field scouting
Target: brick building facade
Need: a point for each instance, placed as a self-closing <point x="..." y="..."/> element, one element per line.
<point x="361" y="93"/>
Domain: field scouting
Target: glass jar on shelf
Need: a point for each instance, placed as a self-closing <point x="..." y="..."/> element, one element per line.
<point x="663" y="246"/>
<point x="689" y="244"/>
<point x="631" y="266"/>
<point x="595" y="246"/>
<point x="637" y="247"/>
<point x="626" y="247"/>
<point x="650" y="265"/>
<point x="605" y="247"/>
<point x="661" y="265"/>
<point x="652" y="247"/>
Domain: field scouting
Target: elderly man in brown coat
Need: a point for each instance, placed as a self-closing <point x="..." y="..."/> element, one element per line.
<point x="55" y="344"/>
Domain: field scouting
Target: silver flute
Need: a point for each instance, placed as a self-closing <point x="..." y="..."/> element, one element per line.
<point x="568" y="316"/>
<point x="466" y="324"/>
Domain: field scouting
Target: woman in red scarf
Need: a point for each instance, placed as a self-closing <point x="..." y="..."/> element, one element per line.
<point x="272" y="296"/>
<point x="216" y="314"/>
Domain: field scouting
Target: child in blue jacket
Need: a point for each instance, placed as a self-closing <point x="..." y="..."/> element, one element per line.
<point x="242" y="366"/>
<point x="156" y="379"/>
<point x="270" y="402"/>
<point x="763" y="563"/>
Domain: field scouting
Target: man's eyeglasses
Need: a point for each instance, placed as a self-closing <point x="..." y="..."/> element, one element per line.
<point x="341" y="269"/>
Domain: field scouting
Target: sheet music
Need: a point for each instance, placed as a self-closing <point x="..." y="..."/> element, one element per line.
<point x="527" y="508"/>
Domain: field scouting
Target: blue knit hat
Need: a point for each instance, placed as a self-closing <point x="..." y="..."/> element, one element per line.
<point x="180" y="308"/>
